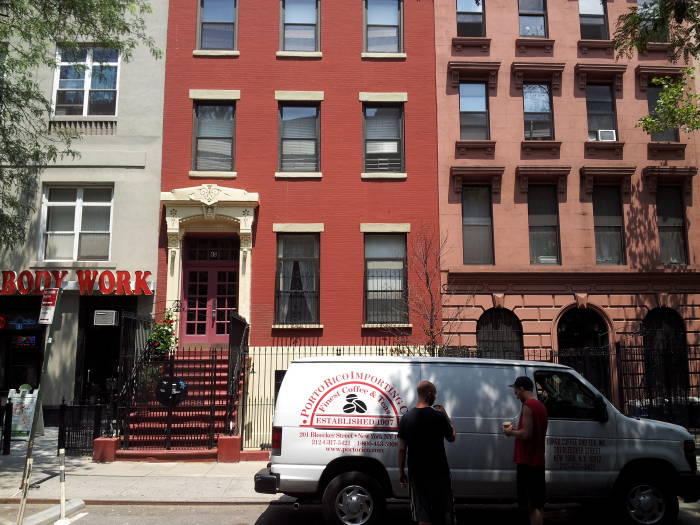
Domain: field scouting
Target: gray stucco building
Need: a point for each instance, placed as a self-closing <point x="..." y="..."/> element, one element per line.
<point x="95" y="226"/>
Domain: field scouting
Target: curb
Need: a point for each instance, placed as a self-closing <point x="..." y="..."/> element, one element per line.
<point x="242" y="502"/>
<point x="52" y="514"/>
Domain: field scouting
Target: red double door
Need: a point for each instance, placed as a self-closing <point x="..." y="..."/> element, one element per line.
<point x="210" y="288"/>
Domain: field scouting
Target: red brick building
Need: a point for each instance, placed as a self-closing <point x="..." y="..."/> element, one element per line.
<point x="299" y="165"/>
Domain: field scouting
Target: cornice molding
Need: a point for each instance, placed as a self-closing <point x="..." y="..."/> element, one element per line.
<point x="474" y="70"/>
<point x="621" y="174"/>
<point x="527" y="174"/>
<point x="474" y="174"/>
<point x="614" y="72"/>
<point x="644" y="74"/>
<point x="682" y="175"/>
<point x="537" y="71"/>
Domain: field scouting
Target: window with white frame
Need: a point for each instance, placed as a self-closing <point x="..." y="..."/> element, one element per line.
<point x="86" y="81"/>
<point x="383" y="26"/>
<point x="76" y="223"/>
<point x="217" y="24"/>
<point x="300" y="25"/>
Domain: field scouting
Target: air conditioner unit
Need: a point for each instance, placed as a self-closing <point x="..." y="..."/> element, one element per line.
<point x="607" y="135"/>
<point x="106" y="318"/>
<point x="547" y="259"/>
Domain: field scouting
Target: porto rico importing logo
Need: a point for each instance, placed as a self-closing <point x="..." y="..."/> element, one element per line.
<point x="354" y="405"/>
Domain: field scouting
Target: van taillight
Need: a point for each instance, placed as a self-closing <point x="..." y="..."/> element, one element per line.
<point x="276" y="441"/>
<point x="689" y="449"/>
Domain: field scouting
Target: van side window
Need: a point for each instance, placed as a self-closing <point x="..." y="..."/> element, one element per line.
<point x="564" y="396"/>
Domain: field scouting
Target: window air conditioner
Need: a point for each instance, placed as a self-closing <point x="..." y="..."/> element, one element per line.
<point x="607" y="135"/>
<point x="106" y="318"/>
<point x="547" y="259"/>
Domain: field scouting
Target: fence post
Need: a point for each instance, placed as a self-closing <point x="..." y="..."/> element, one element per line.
<point x="7" y="429"/>
<point x="212" y="407"/>
<point x="169" y="422"/>
<point x="62" y="425"/>
<point x="97" y="423"/>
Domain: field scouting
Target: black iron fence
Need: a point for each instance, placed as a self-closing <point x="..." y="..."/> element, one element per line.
<point x="6" y="428"/>
<point x="641" y="383"/>
<point x="80" y="425"/>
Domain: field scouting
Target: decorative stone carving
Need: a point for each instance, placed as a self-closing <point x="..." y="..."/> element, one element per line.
<point x="621" y="174"/>
<point x="525" y="44"/>
<point x="610" y="72"/>
<point x="474" y="71"/>
<point x="646" y="73"/>
<point x="581" y="300"/>
<point x="499" y="299"/>
<point x="557" y="174"/>
<point x="523" y="71"/>
<point x="669" y="174"/>
<point x="460" y="43"/>
<point x="585" y="46"/>
<point x="475" y="174"/>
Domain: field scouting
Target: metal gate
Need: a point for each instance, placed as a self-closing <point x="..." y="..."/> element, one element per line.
<point x="80" y="425"/>
<point x="661" y="384"/>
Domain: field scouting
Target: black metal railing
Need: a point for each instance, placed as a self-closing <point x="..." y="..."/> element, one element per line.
<point x="237" y="355"/>
<point x="378" y="162"/>
<point x="6" y="428"/>
<point x="80" y="425"/>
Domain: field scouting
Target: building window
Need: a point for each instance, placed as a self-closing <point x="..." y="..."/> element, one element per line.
<point x="543" y="219"/>
<point x="608" y="225"/>
<point x="473" y="111"/>
<point x="76" y="223"/>
<point x="537" y="103"/>
<point x="600" y="105"/>
<point x="593" y="15"/>
<point x="297" y="279"/>
<point x="670" y="135"/>
<point x="533" y="18"/>
<point x="656" y="30"/>
<point x="470" y="18"/>
<point x="300" y="25"/>
<point x="86" y="81"/>
<point x="383" y="23"/>
<point x="299" y="138"/>
<point x="213" y="150"/>
<point x="217" y="29"/>
<point x="671" y="220"/>
<point x="383" y="138"/>
<point x="477" y="226"/>
<point x="386" y="290"/>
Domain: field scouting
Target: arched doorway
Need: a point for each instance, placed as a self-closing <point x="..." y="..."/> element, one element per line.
<point x="665" y="362"/>
<point x="583" y="344"/>
<point x="499" y="335"/>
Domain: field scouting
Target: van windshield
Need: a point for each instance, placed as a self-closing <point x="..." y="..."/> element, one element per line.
<point x="564" y="396"/>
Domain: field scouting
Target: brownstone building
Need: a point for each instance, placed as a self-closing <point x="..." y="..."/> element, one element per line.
<point x="572" y="234"/>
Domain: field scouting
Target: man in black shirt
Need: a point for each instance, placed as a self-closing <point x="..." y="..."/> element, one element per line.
<point x="421" y="433"/>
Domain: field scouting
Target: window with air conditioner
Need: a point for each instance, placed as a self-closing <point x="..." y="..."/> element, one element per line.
<point x="600" y="107"/>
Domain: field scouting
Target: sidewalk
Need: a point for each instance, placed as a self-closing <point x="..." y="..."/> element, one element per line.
<point x="129" y="482"/>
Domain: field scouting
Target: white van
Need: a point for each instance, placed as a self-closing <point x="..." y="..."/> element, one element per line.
<point x="335" y="438"/>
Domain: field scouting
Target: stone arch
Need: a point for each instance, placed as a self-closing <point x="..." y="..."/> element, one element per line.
<point x="499" y="334"/>
<point x="583" y="343"/>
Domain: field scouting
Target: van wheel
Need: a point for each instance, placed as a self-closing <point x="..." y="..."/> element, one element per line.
<point x="644" y="501"/>
<point x="353" y="498"/>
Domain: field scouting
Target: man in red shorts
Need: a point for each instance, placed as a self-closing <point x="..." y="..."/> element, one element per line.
<point x="529" y="449"/>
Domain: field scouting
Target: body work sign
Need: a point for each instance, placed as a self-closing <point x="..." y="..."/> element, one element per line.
<point x="354" y="401"/>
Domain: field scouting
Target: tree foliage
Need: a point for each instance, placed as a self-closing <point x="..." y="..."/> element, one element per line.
<point x="30" y="31"/>
<point x="676" y="107"/>
<point x="674" y="21"/>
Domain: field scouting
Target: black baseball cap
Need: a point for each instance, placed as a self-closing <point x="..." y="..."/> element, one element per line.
<point x="524" y="382"/>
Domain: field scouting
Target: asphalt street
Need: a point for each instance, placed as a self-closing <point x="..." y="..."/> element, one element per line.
<point x="276" y="514"/>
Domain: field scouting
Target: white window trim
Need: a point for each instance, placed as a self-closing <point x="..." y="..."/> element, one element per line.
<point x="297" y="227"/>
<point x="385" y="227"/>
<point x="299" y="96"/>
<point x="87" y="81"/>
<point x="215" y="94"/>
<point x="368" y="96"/>
<point x="77" y="221"/>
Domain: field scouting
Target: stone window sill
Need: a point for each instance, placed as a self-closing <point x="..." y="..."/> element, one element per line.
<point x="384" y="175"/>
<point x="213" y="174"/>
<point x="460" y="43"/>
<point x="542" y="146"/>
<point x="604" y="148"/>
<point x="299" y="54"/>
<point x="389" y="56"/>
<point x="297" y="326"/>
<point x="386" y="325"/>
<point x="666" y="150"/>
<point x="215" y="53"/>
<point x="298" y="175"/>
<point x="585" y="46"/>
<point x="469" y="148"/>
<point x="523" y="45"/>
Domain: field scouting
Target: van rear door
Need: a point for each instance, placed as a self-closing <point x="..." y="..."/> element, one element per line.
<point x="581" y="450"/>
<point x="478" y="400"/>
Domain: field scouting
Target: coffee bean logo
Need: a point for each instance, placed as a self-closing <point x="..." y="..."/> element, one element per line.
<point x="354" y="405"/>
